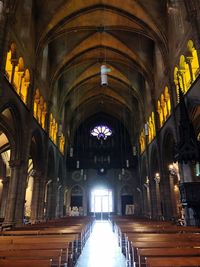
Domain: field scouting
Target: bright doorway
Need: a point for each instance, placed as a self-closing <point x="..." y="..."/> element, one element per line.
<point x="101" y="203"/>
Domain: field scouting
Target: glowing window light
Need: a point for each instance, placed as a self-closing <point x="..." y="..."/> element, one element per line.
<point x="101" y="132"/>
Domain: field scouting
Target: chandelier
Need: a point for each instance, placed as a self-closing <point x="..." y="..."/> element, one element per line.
<point x="101" y="132"/>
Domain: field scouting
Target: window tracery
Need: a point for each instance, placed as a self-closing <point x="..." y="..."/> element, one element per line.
<point x="142" y="141"/>
<point x="16" y="73"/>
<point x="188" y="69"/>
<point x="164" y="106"/>
<point x="39" y="108"/>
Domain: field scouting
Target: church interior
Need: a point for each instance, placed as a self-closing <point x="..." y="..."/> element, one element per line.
<point x="99" y="110"/>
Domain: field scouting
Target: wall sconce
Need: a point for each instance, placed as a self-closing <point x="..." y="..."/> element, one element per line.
<point x="176" y="187"/>
<point x="146" y="184"/>
<point x="174" y="170"/>
<point x="49" y="182"/>
<point x="157" y="177"/>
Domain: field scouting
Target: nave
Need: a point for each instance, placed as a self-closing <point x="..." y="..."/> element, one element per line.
<point x="102" y="248"/>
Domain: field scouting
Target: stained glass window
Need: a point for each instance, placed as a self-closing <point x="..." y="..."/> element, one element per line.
<point x="101" y="132"/>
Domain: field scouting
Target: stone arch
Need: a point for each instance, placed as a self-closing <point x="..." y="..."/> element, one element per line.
<point x="10" y="123"/>
<point x="37" y="150"/>
<point x="184" y="73"/>
<point x="35" y="168"/>
<point x="11" y="55"/>
<point x="10" y="137"/>
<point x="192" y="56"/>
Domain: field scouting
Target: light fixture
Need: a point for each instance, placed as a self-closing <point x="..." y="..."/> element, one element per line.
<point x="60" y="130"/>
<point x="104" y="76"/>
<point x="146" y="130"/>
<point x="71" y="152"/>
<point x="176" y="187"/>
<point x="77" y="164"/>
<point x="127" y="163"/>
<point x="174" y="170"/>
<point x="157" y="177"/>
<point x="134" y="151"/>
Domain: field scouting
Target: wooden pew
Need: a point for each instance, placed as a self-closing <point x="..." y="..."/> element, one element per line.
<point x="25" y="263"/>
<point x="68" y="234"/>
<point x="132" y="257"/>
<point x="172" y="261"/>
<point x="65" y="257"/>
<point x="142" y="253"/>
<point x="53" y="255"/>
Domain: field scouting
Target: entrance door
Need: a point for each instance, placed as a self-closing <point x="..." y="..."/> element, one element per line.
<point x="101" y="203"/>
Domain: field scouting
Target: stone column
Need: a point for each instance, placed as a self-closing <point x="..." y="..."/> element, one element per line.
<point x="166" y="197"/>
<point x="157" y="180"/>
<point x="21" y="192"/>
<point x="148" y="200"/>
<point x="58" y="201"/>
<point x="4" y="196"/>
<point x="173" y="200"/>
<point x="12" y="192"/>
<point x="85" y="194"/>
<point x="51" y="200"/>
<point x="35" y="198"/>
<point x="61" y="202"/>
<point x="153" y="197"/>
<point x="41" y="200"/>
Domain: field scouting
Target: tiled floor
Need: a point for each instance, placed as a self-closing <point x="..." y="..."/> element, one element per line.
<point x="101" y="249"/>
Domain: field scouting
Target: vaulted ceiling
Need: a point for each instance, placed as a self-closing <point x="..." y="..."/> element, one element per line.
<point x="81" y="35"/>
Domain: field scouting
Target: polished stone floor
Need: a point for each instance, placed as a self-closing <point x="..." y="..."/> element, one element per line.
<point x="101" y="249"/>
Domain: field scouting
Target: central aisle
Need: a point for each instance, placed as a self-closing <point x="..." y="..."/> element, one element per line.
<point x="101" y="249"/>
